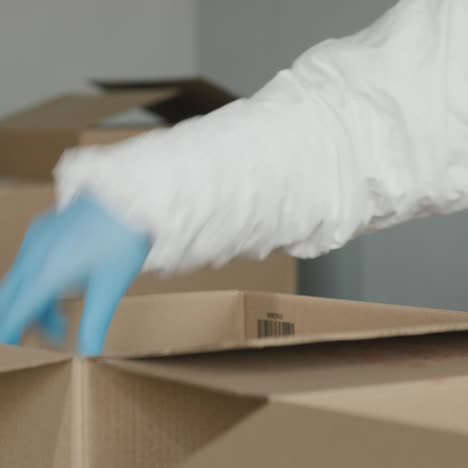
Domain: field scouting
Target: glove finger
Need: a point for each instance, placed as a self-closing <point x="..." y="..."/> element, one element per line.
<point x="34" y="296"/>
<point x="103" y="295"/>
<point x="33" y="241"/>
<point x="53" y="324"/>
<point x="20" y="293"/>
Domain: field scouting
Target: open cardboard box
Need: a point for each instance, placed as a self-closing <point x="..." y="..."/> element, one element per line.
<point x="196" y="95"/>
<point x="235" y="379"/>
<point x="20" y="203"/>
<point x="32" y="141"/>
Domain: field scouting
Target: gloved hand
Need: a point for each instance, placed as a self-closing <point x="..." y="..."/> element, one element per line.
<point x="81" y="247"/>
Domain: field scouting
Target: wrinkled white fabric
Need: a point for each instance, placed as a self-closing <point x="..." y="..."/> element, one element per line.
<point x="360" y="134"/>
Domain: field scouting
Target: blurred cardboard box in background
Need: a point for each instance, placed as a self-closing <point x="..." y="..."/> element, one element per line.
<point x="32" y="141"/>
<point x="195" y="96"/>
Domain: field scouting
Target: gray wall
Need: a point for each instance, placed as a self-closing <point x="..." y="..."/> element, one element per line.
<point x="243" y="43"/>
<point x="421" y="263"/>
<point x="52" y="46"/>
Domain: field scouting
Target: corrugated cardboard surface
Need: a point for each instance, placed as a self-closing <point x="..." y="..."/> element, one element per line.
<point x="20" y="203"/>
<point x="281" y="436"/>
<point x="359" y="385"/>
<point x="159" y="325"/>
<point x="13" y="359"/>
<point x="33" y="405"/>
<point x="414" y="403"/>
<point x="167" y="421"/>
<point x="201" y="322"/>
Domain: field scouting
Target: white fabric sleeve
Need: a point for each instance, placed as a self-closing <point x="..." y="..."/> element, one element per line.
<point x="360" y="134"/>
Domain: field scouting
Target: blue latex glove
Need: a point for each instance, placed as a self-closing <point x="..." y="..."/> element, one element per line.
<point x="81" y="247"/>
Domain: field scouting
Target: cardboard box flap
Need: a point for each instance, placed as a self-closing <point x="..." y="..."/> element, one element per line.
<point x="281" y="320"/>
<point x="167" y="323"/>
<point x="273" y="372"/>
<point x="280" y="436"/>
<point x="197" y="96"/>
<point x="34" y="405"/>
<point x="187" y="323"/>
<point x="140" y="422"/>
<point x="257" y="441"/>
<point x="14" y="358"/>
<point x="235" y="320"/>
<point x="443" y="406"/>
<point x="75" y="111"/>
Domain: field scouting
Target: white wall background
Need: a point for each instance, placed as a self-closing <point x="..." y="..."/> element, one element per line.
<point x="52" y="46"/>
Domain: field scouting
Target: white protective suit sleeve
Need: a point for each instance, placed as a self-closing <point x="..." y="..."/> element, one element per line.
<point x="360" y="134"/>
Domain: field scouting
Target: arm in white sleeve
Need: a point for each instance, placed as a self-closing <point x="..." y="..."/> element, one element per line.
<point x="360" y="134"/>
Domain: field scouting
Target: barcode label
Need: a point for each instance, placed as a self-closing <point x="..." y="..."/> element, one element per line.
<point x="268" y="328"/>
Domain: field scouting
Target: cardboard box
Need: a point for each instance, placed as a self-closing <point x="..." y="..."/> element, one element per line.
<point x="32" y="141"/>
<point x="20" y="203"/>
<point x="348" y="384"/>
<point x="196" y="96"/>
